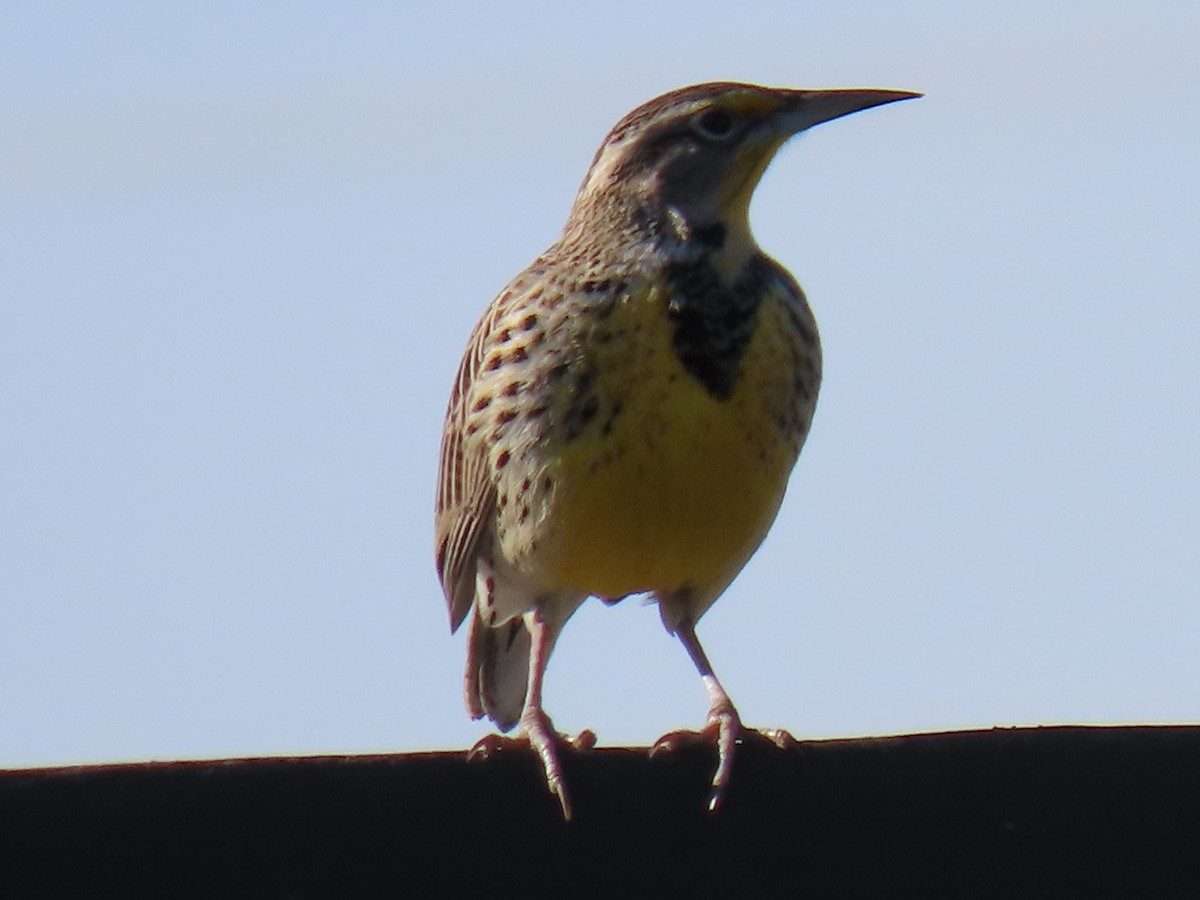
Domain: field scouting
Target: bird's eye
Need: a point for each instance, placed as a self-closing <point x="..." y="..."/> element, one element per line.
<point x="715" y="123"/>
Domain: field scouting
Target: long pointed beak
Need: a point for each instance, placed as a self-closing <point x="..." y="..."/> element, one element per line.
<point x="808" y="108"/>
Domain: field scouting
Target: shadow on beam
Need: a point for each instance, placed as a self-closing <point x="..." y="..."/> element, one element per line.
<point x="1008" y="812"/>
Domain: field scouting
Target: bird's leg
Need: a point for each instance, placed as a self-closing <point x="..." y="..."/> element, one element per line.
<point x="724" y="725"/>
<point x="535" y="725"/>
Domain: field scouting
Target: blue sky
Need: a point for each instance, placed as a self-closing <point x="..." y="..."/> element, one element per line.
<point x="241" y="250"/>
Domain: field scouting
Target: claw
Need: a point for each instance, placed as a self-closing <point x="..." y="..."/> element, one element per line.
<point x="780" y="737"/>
<point x="490" y="744"/>
<point x="674" y="741"/>
<point x="585" y="740"/>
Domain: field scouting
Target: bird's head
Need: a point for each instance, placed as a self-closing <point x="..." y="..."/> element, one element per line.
<point x="684" y="165"/>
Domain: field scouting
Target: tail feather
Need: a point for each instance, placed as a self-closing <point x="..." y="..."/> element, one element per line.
<point x="497" y="671"/>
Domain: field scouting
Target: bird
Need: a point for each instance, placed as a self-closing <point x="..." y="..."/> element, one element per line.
<point x="628" y="410"/>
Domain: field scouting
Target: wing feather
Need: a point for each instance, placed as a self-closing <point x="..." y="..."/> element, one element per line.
<point x="466" y="496"/>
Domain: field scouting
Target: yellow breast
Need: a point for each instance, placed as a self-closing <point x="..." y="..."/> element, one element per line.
<point x="679" y="487"/>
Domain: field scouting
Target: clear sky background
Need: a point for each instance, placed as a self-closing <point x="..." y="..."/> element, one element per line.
<point x="242" y="246"/>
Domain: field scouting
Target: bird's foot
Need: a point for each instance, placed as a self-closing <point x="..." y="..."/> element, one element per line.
<point x="723" y="728"/>
<point x="537" y="732"/>
<point x="538" y="729"/>
<point x="497" y="743"/>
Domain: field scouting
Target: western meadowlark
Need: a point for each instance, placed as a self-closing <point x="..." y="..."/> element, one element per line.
<point x="629" y="408"/>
